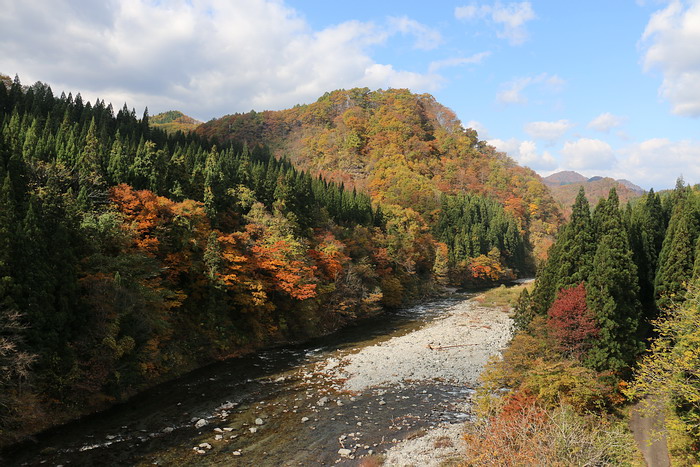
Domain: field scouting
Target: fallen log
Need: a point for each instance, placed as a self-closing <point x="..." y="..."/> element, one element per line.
<point x="440" y="347"/>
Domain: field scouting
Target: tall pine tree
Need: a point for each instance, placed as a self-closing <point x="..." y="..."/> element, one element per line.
<point x="613" y="294"/>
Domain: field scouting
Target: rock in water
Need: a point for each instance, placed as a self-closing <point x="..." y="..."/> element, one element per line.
<point x="200" y="423"/>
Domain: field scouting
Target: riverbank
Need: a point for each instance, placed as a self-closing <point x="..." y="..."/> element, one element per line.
<point x="451" y="350"/>
<point x="317" y="404"/>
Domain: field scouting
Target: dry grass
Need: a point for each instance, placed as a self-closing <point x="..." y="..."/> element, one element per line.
<point x="502" y="297"/>
<point x="443" y="442"/>
<point x="372" y="461"/>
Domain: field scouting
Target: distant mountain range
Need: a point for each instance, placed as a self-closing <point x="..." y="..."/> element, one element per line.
<point x="566" y="184"/>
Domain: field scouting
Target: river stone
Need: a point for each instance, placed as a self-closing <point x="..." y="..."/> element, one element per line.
<point x="205" y="445"/>
<point x="259" y="421"/>
<point x="304" y="419"/>
<point x="168" y="429"/>
<point x="322" y="401"/>
<point x="200" y="423"/>
<point x="344" y="452"/>
<point x="253" y="429"/>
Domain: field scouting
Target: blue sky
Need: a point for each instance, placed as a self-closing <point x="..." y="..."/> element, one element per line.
<point x="600" y="87"/>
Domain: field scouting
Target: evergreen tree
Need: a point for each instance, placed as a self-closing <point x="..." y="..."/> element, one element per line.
<point x="578" y="245"/>
<point x="570" y="260"/>
<point x="8" y="222"/>
<point x="677" y="254"/>
<point x="613" y="294"/>
<point x="646" y="229"/>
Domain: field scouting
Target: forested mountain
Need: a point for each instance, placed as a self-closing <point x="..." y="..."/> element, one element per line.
<point x="404" y="149"/>
<point x="129" y="255"/>
<point x="565" y="186"/>
<point x="174" y="121"/>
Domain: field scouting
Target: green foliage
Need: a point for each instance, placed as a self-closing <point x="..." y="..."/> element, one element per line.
<point x="473" y="225"/>
<point x="129" y="255"/>
<point x="406" y="150"/>
<point x="647" y="227"/>
<point x="671" y="372"/>
<point x="676" y="259"/>
<point x="596" y="250"/>
<point x="570" y="259"/>
<point x="613" y="292"/>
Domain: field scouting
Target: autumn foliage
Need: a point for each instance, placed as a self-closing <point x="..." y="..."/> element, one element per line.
<point x="571" y="324"/>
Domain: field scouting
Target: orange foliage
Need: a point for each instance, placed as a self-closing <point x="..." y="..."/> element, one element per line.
<point x="291" y="277"/>
<point x="329" y="256"/>
<point x="484" y="268"/>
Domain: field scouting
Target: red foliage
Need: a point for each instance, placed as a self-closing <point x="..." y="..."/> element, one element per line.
<point x="571" y="324"/>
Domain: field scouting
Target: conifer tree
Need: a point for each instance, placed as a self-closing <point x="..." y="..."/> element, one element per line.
<point x="678" y="252"/>
<point x="613" y="294"/>
<point x="570" y="260"/>
<point x="647" y="229"/>
<point x="578" y="245"/>
<point x="8" y="219"/>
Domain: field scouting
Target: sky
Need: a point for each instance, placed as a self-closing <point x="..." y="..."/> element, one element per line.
<point x="601" y="87"/>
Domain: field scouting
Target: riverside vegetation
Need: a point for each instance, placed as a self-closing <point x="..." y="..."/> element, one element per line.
<point x="615" y="279"/>
<point x="129" y="255"/>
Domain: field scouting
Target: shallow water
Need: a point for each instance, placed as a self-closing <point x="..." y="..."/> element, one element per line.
<point x="306" y="418"/>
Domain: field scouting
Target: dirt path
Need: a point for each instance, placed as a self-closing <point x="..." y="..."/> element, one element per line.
<point x="647" y="424"/>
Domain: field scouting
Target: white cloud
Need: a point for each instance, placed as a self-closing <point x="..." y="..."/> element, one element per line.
<point x="206" y="57"/>
<point x="511" y="17"/>
<point x="586" y="153"/>
<point x="658" y="162"/>
<point x="426" y="38"/>
<point x="512" y="91"/>
<point x="525" y="153"/>
<point x="481" y="130"/>
<point x="605" y="122"/>
<point x="670" y="43"/>
<point x="458" y="61"/>
<point x="548" y="130"/>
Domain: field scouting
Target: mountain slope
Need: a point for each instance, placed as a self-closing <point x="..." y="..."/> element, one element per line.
<point x="564" y="177"/>
<point x="566" y="185"/>
<point x="404" y="149"/>
<point x="173" y="121"/>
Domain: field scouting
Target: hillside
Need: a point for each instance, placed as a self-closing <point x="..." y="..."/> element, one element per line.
<point x="565" y="185"/>
<point x="404" y="149"/>
<point x="173" y="121"/>
<point x="564" y="177"/>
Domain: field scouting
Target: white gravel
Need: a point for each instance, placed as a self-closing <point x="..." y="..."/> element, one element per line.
<point x="431" y="450"/>
<point x="427" y="354"/>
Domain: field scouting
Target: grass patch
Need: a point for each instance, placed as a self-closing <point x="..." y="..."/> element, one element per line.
<point x="503" y="297"/>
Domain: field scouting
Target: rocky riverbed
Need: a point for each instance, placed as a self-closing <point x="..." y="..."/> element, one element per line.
<point x="399" y="388"/>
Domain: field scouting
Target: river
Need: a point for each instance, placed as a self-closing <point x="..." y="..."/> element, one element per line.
<point x="358" y="393"/>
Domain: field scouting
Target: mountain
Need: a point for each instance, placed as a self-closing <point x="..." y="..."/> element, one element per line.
<point x="565" y="185"/>
<point x="564" y="178"/>
<point x="631" y="186"/>
<point x="173" y="121"/>
<point x="405" y="149"/>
